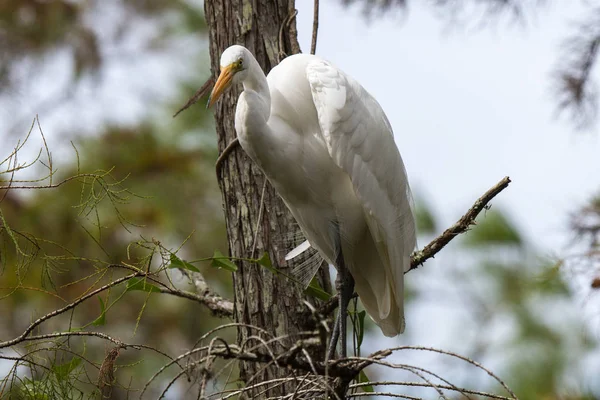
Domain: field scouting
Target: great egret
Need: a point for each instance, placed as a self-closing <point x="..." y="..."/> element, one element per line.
<point x="327" y="147"/>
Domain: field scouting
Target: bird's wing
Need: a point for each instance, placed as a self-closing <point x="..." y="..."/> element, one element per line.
<point x="359" y="139"/>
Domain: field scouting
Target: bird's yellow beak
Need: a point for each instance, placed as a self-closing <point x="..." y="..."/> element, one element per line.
<point x="223" y="83"/>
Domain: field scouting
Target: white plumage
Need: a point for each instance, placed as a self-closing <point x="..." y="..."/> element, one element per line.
<point x="327" y="147"/>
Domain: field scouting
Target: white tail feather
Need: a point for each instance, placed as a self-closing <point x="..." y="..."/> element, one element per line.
<point x="297" y="251"/>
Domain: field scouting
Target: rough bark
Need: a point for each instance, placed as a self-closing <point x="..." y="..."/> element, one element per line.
<point x="262" y="299"/>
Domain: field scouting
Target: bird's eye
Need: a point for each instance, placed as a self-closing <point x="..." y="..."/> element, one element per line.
<point x="240" y="63"/>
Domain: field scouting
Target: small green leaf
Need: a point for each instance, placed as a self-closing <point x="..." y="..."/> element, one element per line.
<point x="360" y="327"/>
<point x="177" y="262"/>
<point x="62" y="371"/>
<point x="363" y="378"/>
<point x="101" y="320"/>
<point x="141" y="284"/>
<point x="315" y="290"/>
<point x="220" y="261"/>
<point x="265" y="261"/>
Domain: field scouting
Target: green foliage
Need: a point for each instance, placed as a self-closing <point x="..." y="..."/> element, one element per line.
<point x="101" y="320"/>
<point x="360" y="327"/>
<point x="363" y="378"/>
<point x="220" y="261"/>
<point x="493" y="228"/>
<point x="265" y="261"/>
<point x="141" y="284"/>
<point x="58" y="382"/>
<point x="426" y="222"/>
<point x="176" y="262"/>
<point x="62" y="371"/>
<point x="315" y="290"/>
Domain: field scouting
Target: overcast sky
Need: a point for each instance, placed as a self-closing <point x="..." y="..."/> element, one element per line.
<point x="469" y="106"/>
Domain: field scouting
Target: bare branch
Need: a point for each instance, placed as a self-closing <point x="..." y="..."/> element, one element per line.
<point x="455" y="355"/>
<point x="461" y="226"/>
<point x="317" y="376"/>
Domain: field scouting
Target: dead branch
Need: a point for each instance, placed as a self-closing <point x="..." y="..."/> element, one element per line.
<point x="461" y="226"/>
<point x="317" y="376"/>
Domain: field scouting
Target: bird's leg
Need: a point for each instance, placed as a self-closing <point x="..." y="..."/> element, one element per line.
<point x="345" y="288"/>
<point x="335" y="334"/>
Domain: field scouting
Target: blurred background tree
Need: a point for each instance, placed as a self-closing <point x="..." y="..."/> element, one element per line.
<point x="511" y="307"/>
<point x="162" y="169"/>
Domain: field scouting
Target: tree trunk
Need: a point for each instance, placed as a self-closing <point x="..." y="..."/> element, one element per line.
<point x="262" y="299"/>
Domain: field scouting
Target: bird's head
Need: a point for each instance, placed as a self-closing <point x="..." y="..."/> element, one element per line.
<point x="234" y="65"/>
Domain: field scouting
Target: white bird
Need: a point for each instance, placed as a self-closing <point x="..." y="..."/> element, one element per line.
<point x="327" y="148"/>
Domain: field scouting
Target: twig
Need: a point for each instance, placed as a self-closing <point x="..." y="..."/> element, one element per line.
<point x="461" y="226"/>
<point x="199" y="93"/>
<point x="70" y="334"/>
<point x="463" y="358"/>
<point x="313" y="44"/>
<point x="296" y="358"/>
<point x="52" y="186"/>
<point x="420" y="384"/>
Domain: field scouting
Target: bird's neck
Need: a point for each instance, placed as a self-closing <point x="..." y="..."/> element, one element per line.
<point x="256" y="85"/>
<point x="252" y="114"/>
